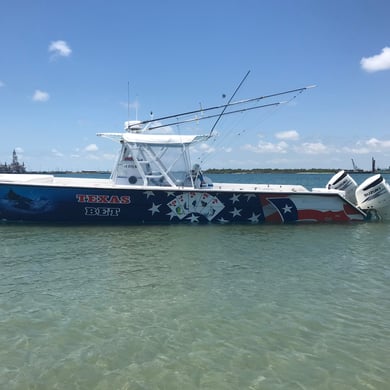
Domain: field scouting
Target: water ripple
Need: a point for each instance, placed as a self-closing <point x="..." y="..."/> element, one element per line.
<point x="210" y="307"/>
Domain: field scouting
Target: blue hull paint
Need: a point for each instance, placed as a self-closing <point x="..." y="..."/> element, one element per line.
<point x="137" y="206"/>
<point x="92" y="205"/>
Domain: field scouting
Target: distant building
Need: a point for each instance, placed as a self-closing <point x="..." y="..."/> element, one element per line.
<point x="14" y="167"/>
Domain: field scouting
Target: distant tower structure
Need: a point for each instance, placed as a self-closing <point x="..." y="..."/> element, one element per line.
<point x="355" y="167"/>
<point x="14" y="167"/>
<point x="15" y="161"/>
<point x="373" y="165"/>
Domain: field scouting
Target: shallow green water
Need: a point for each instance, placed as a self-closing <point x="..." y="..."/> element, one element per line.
<point x="195" y="307"/>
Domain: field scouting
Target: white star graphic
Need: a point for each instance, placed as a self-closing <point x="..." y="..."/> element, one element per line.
<point x="236" y="212"/>
<point x="249" y="196"/>
<point x="193" y="218"/>
<point x="287" y="209"/>
<point x="149" y="193"/>
<point x="169" y="193"/>
<point x="254" y="218"/>
<point x="222" y="220"/>
<point x="154" y="209"/>
<point x="235" y="198"/>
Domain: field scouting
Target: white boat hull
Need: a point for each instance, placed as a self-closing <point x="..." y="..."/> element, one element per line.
<point x="44" y="198"/>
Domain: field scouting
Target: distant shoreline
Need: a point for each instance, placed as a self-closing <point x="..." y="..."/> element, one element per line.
<point x="293" y="171"/>
<point x="268" y="170"/>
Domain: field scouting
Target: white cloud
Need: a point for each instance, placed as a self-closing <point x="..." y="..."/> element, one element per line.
<point x="314" y="148"/>
<point x="378" y="144"/>
<point x="91" y="148"/>
<point x="377" y="62"/>
<point x="267" y="147"/>
<point x="206" y="148"/>
<point x="369" y="146"/>
<point x="57" y="153"/>
<point x="59" y="49"/>
<point x="359" y="149"/>
<point x="19" y="150"/>
<point x="290" y="135"/>
<point x="40" y="96"/>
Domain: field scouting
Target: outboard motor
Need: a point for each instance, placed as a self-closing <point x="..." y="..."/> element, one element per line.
<point x="343" y="182"/>
<point x="374" y="194"/>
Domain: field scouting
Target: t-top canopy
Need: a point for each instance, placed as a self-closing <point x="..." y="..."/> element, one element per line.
<point x="156" y="139"/>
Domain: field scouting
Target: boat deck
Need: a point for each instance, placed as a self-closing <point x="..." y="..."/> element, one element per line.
<point x="56" y="181"/>
<point x="87" y="182"/>
<point x="259" y="187"/>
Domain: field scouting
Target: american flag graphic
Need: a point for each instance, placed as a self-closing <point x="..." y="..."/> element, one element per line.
<point x="290" y="208"/>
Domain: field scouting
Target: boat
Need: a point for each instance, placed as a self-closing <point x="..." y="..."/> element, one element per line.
<point x="154" y="181"/>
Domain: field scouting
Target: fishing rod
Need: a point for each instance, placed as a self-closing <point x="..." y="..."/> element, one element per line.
<point x="227" y="105"/>
<point x="216" y="115"/>
<point x="245" y="101"/>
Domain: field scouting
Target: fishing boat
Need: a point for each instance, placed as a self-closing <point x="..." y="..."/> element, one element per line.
<point x="154" y="181"/>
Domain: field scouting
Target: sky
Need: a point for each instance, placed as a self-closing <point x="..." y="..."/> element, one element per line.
<point x="70" y="69"/>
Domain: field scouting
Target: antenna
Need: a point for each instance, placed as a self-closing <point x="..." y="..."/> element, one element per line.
<point x="136" y="108"/>
<point x="128" y="100"/>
